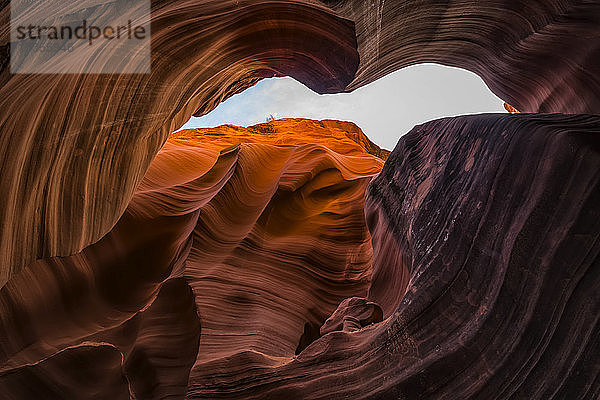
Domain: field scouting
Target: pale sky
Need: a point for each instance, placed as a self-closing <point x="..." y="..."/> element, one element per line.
<point x="385" y="110"/>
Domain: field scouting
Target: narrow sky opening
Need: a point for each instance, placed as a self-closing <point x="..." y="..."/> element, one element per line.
<point x="385" y="109"/>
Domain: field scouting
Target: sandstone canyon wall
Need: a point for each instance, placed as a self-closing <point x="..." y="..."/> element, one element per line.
<point x="285" y="260"/>
<point x="261" y="228"/>
<point x="486" y="261"/>
<point x="222" y="278"/>
<point x="102" y="131"/>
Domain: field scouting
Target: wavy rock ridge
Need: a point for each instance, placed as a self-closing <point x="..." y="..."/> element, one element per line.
<point x="60" y="192"/>
<point x="240" y="265"/>
<point x="479" y="278"/>
<point x="265" y="239"/>
<point x="486" y="260"/>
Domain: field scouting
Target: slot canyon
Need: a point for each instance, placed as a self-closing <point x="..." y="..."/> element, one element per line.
<point x="295" y="258"/>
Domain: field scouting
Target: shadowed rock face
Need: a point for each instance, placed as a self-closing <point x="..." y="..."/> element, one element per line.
<point x="88" y="371"/>
<point x="496" y="221"/>
<point x="248" y="263"/>
<point x="482" y="263"/>
<point x="499" y="217"/>
<point x="59" y="193"/>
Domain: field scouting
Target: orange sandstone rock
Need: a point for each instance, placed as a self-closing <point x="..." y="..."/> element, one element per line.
<point x="252" y="235"/>
<point x="341" y="136"/>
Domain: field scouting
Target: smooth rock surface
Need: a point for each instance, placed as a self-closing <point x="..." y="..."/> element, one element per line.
<point x="249" y="237"/>
<point x="497" y="221"/>
<point x="247" y="263"/>
<point x="73" y="148"/>
<point x="479" y="280"/>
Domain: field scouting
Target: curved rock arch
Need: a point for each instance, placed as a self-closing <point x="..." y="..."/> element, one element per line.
<point x="528" y="52"/>
<point x="71" y="165"/>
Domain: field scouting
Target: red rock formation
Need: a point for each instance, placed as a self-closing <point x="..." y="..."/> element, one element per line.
<point x="484" y="262"/>
<point x="484" y="271"/>
<point x="74" y="148"/>
<point x="269" y="237"/>
<point x="345" y="137"/>
<point x="496" y="218"/>
<point x="510" y="109"/>
<point x="89" y="371"/>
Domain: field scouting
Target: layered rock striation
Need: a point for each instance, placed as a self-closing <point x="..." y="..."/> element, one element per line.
<point x="485" y="233"/>
<point x="467" y="268"/>
<point x="249" y="239"/>
<point x="73" y="148"/>
<point x="269" y="262"/>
